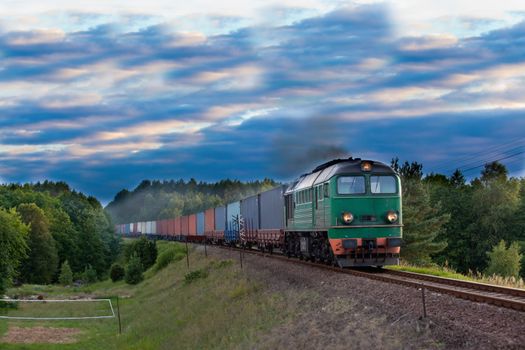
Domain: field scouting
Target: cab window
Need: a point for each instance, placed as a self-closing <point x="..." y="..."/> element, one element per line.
<point x="383" y="184"/>
<point x="351" y="185"/>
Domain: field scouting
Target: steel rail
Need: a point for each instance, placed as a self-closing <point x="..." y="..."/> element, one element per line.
<point x="460" y="283"/>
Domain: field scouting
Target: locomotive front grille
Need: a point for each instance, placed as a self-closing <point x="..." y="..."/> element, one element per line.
<point x="368" y="218"/>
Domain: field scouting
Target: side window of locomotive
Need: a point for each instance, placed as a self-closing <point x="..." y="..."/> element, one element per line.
<point x="383" y="184"/>
<point x="326" y="191"/>
<point x="351" y="185"/>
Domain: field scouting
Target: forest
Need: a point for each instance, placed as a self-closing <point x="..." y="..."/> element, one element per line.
<point x="46" y="226"/>
<point x="452" y="222"/>
<point x="156" y="200"/>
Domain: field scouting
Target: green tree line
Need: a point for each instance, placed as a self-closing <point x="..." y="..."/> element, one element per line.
<point x="45" y="224"/>
<point x="156" y="200"/>
<point x="465" y="225"/>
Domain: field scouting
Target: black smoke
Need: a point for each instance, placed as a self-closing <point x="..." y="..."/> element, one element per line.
<point x="307" y="144"/>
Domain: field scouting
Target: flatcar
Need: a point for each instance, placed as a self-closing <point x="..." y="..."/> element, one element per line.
<point x="346" y="212"/>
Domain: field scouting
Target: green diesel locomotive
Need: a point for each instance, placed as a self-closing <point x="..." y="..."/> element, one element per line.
<point x="346" y="211"/>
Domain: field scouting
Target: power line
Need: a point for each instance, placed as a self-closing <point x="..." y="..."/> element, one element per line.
<point x="496" y="160"/>
<point x="483" y="153"/>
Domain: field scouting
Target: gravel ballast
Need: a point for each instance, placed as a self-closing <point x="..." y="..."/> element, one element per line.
<point x="341" y="311"/>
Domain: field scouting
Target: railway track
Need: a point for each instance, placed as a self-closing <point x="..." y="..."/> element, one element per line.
<point x="510" y="298"/>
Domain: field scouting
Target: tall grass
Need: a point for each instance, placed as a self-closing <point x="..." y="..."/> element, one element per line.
<point x="447" y="272"/>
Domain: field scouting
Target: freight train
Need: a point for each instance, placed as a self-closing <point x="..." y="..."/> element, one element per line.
<point x="346" y="212"/>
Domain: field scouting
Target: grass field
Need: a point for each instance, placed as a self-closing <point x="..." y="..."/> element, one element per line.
<point x="214" y="307"/>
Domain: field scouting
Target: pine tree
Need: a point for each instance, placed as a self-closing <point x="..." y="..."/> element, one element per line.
<point x="66" y="275"/>
<point x="41" y="264"/>
<point x="423" y="224"/>
<point x="457" y="179"/>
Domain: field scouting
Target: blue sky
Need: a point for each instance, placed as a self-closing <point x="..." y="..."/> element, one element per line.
<point x="107" y="94"/>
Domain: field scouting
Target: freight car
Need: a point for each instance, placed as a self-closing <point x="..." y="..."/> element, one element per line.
<point x="345" y="212"/>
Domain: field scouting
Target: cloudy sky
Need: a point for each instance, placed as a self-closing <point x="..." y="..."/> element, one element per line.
<point x="105" y="94"/>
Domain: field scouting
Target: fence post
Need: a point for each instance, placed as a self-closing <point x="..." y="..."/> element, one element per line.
<point x="240" y="257"/>
<point x="205" y="245"/>
<point x="187" y="253"/>
<point x="118" y="313"/>
<point x="423" y="298"/>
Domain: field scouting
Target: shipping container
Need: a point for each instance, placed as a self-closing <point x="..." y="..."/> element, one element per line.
<point x="271" y="204"/>
<point x="233" y="212"/>
<point x="178" y="226"/>
<point x="200" y="223"/>
<point x="164" y="225"/>
<point x="153" y="227"/>
<point x="209" y="220"/>
<point x="135" y="227"/>
<point x="185" y="225"/>
<point x="171" y="227"/>
<point x="149" y="230"/>
<point x="220" y="219"/>
<point x="250" y="212"/>
<point x="192" y="225"/>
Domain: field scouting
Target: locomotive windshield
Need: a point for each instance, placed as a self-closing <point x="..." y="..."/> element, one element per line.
<point x="383" y="184"/>
<point x="351" y="185"/>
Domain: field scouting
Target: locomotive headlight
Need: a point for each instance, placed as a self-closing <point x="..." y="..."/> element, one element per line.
<point x="347" y="217"/>
<point x="391" y="216"/>
<point x="366" y="166"/>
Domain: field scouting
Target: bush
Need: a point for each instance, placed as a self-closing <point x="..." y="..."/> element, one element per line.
<point x="195" y="275"/>
<point x="117" y="272"/>
<point x="504" y="262"/>
<point x="143" y="248"/>
<point x="89" y="275"/>
<point x="168" y="256"/>
<point x="134" y="270"/>
<point x="66" y="275"/>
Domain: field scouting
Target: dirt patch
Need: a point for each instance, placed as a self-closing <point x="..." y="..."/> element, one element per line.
<point x="27" y="335"/>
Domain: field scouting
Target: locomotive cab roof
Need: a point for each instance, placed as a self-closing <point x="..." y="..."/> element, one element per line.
<point x="335" y="167"/>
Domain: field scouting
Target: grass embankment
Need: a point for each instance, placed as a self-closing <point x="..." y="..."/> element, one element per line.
<point x="212" y="305"/>
<point x="443" y="271"/>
